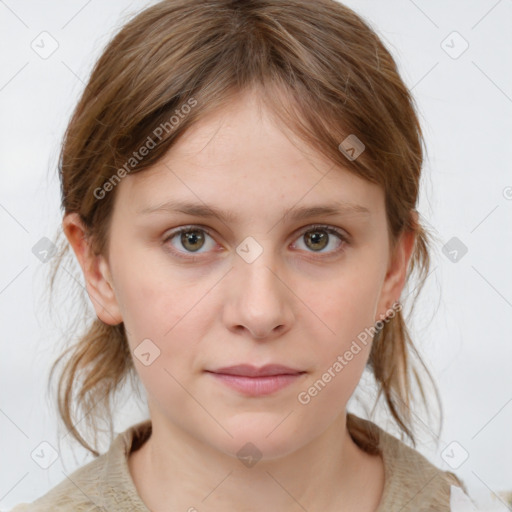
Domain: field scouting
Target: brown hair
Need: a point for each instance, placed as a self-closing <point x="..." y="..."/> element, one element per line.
<point x="323" y="72"/>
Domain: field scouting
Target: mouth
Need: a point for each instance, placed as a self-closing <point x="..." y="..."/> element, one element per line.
<point x="253" y="381"/>
<point x="248" y="370"/>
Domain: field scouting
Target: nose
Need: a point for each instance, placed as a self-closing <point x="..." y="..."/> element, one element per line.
<point x="260" y="302"/>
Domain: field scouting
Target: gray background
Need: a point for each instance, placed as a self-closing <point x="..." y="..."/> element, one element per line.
<point x="462" y="321"/>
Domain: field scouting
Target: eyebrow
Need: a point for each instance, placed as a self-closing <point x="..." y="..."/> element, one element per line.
<point x="301" y="213"/>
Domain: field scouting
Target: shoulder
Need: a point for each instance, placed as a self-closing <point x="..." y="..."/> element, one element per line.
<point x="102" y="484"/>
<point x="77" y="491"/>
<point x="412" y="482"/>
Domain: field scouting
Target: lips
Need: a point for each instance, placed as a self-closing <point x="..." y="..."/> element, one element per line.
<point x="252" y="381"/>
<point x="247" y="370"/>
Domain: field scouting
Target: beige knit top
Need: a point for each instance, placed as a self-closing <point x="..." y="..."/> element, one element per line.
<point x="412" y="483"/>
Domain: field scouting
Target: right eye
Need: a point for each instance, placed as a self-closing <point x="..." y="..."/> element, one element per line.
<point x="190" y="238"/>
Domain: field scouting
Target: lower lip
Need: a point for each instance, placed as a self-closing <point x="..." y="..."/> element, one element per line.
<point x="257" y="386"/>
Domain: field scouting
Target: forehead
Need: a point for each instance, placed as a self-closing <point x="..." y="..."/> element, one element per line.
<point x="240" y="157"/>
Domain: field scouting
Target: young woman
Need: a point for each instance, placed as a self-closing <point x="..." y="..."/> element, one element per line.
<point x="239" y="184"/>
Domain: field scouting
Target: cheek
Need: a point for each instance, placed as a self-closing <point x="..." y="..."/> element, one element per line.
<point x="164" y="333"/>
<point x="348" y="305"/>
<point x="166" y="305"/>
<point x="329" y="389"/>
<point x="153" y="297"/>
<point x="343" y="339"/>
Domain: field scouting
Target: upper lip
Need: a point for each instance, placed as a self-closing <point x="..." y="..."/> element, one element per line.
<point x="247" y="370"/>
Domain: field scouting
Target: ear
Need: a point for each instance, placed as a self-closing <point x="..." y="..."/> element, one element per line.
<point x="98" y="279"/>
<point x="396" y="272"/>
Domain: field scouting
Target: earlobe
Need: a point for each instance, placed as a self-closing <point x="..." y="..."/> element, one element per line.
<point x="97" y="275"/>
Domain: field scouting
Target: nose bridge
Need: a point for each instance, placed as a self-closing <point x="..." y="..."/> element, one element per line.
<point x="260" y="298"/>
<point x="260" y="280"/>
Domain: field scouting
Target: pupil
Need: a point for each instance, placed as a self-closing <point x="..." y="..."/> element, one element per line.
<point x="318" y="238"/>
<point x="192" y="237"/>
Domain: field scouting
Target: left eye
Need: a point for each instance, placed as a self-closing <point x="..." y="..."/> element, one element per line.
<point x="316" y="238"/>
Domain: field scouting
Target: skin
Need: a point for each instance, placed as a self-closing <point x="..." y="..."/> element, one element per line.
<point x="292" y="305"/>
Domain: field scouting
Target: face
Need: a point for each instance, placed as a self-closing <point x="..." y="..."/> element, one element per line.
<point x="272" y="280"/>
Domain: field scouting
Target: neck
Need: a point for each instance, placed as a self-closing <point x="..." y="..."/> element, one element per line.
<point x="175" y="471"/>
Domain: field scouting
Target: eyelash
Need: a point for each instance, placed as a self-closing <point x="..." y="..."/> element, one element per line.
<point x="332" y="231"/>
